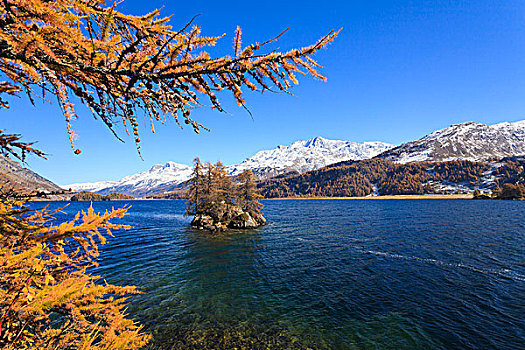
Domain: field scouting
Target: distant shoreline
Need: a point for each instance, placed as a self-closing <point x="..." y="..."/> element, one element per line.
<point x="411" y="196"/>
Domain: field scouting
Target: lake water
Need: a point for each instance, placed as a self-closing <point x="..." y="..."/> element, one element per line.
<point x="327" y="274"/>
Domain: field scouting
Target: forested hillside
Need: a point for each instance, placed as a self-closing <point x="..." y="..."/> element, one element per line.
<point x="384" y="177"/>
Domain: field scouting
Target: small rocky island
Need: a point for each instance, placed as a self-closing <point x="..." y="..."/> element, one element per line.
<point x="219" y="203"/>
<point x="220" y="217"/>
<point x="91" y="196"/>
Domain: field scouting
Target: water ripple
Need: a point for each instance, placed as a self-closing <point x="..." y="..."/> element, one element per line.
<point x="327" y="275"/>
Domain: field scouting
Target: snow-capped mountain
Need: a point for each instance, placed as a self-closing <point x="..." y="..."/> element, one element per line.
<point x="466" y="141"/>
<point x="160" y="178"/>
<point x="303" y="156"/>
<point x="91" y="186"/>
<point x="300" y="156"/>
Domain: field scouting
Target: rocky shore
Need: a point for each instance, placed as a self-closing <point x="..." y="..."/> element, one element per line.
<point x="217" y="217"/>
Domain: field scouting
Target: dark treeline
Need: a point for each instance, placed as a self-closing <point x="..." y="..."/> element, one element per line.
<point x="358" y="178"/>
<point x="510" y="191"/>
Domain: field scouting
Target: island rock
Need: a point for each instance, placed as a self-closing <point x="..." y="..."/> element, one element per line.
<point x="218" y="217"/>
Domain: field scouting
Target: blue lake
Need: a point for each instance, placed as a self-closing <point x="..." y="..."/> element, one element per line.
<point x="326" y="274"/>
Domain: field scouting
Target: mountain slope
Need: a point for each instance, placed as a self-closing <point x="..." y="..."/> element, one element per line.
<point x="22" y="179"/>
<point x="466" y="141"/>
<point x="300" y="157"/>
<point x="384" y="177"/>
<point x="303" y="156"/>
<point x="160" y="178"/>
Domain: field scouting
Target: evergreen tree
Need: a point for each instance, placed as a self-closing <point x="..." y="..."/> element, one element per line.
<point x="248" y="194"/>
<point x="196" y="192"/>
<point x="225" y="187"/>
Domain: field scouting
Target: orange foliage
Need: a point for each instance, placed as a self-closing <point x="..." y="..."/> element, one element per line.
<point x="117" y="64"/>
<point x="10" y="145"/>
<point x="47" y="300"/>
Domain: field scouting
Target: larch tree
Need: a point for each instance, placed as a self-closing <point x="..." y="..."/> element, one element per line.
<point x="196" y="192"/>
<point x="248" y="195"/>
<point x="210" y="183"/>
<point x="85" y="51"/>
<point x="117" y="64"/>
<point x="225" y="186"/>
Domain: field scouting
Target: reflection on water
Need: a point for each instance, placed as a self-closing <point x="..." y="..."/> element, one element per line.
<point x="329" y="274"/>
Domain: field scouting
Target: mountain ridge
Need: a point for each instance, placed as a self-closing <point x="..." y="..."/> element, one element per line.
<point x="464" y="141"/>
<point x="24" y="180"/>
<point x="306" y="155"/>
<point x="469" y="141"/>
<point x="300" y="156"/>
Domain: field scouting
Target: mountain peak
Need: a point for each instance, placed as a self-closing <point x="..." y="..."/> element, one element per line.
<point x="170" y="165"/>
<point x="302" y="156"/>
<point x="466" y="141"/>
<point x="316" y="142"/>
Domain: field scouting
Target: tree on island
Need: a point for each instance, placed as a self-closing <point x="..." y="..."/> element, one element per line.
<point x="248" y="194"/>
<point x="81" y="51"/>
<point x="208" y="184"/>
<point x="223" y="204"/>
<point x="225" y="185"/>
<point x="195" y="192"/>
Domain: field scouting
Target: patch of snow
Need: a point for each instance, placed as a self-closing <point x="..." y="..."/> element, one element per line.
<point x="375" y="190"/>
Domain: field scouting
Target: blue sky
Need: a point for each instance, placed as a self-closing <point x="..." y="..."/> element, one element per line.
<point x="398" y="71"/>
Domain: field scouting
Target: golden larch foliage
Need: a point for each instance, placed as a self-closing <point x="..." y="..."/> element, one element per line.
<point x="47" y="298"/>
<point x="117" y="64"/>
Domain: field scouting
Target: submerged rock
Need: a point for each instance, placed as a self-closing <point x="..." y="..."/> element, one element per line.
<point x="218" y="217"/>
<point x="229" y="335"/>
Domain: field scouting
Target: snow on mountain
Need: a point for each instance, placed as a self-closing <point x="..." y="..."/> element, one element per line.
<point x="90" y="186"/>
<point x="160" y="178"/>
<point x="303" y="156"/>
<point x="300" y="156"/>
<point x="466" y="141"/>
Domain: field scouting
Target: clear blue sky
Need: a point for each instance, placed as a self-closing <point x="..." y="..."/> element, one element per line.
<point x="399" y="70"/>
